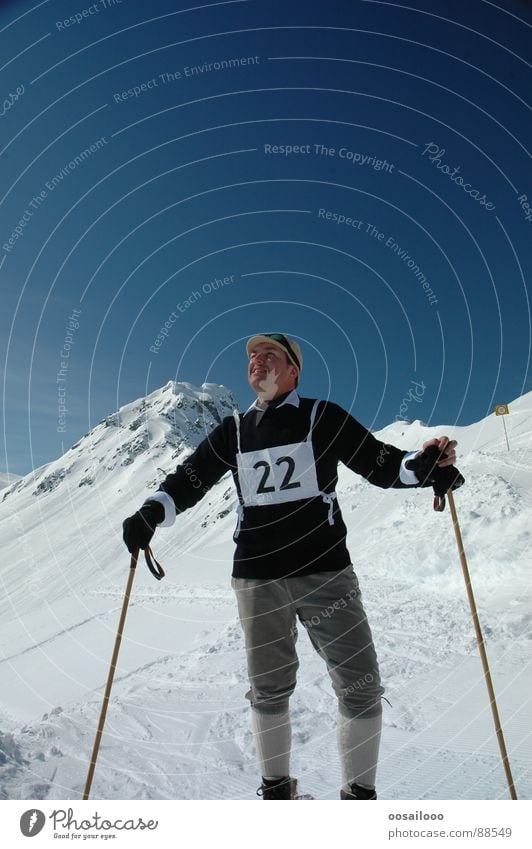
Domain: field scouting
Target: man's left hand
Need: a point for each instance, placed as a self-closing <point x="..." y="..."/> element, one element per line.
<point x="443" y="443"/>
<point x="441" y="473"/>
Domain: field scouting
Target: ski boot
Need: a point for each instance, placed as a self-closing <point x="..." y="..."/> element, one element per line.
<point x="357" y="792"/>
<point x="278" y="788"/>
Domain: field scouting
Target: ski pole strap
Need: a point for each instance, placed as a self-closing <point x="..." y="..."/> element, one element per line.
<point x="439" y="503"/>
<point x="155" y="568"/>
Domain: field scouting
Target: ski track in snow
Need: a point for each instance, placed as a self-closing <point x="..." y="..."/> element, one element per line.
<point x="178" y="721"/>
<point x="180" y="726"/>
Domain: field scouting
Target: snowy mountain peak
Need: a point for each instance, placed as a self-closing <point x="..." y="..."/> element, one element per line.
<point x="147" y="434"/>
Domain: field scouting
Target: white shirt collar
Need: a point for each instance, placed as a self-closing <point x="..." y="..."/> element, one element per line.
<point x="291" y="398"/>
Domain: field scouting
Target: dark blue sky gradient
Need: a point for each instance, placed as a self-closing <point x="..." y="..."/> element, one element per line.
<point x="179" y="190"/>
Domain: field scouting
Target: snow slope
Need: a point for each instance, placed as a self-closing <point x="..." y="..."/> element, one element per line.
<point x="6" y="479"/>
<point x="178" y="723"/>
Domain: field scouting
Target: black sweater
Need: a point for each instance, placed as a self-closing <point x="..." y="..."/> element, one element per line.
<point x="294" y="538"/>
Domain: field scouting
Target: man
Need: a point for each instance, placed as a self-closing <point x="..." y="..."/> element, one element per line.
<point x="291" y="560"/>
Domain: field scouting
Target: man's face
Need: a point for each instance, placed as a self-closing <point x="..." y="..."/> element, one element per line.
<point x="269" y="371"/>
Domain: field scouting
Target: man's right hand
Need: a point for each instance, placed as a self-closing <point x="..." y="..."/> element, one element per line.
<point x="139" y="528"/>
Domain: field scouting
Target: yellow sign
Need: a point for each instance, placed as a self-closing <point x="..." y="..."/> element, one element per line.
<point x="502" y="410"/>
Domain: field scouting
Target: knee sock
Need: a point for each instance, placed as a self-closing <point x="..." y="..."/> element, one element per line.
<point x="358" y="744"/>
<point x="273" y="736"/>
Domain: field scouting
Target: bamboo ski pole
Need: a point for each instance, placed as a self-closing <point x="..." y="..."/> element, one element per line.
<point x="482" y="648"/>
<point x="103" y="712"/>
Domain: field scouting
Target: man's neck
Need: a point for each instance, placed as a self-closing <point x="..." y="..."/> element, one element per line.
<point x="264" y="403"/>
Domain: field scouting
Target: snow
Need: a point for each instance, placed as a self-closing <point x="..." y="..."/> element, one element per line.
<point x="7" y="478"/>
<point x="178" y="722"/>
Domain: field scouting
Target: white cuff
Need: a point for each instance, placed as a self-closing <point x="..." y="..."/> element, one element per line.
<point x="407" y="476"/>
<point x="169" y="508"/>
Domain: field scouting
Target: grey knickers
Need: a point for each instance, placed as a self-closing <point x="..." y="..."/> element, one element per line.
<point x="329" y="605"/>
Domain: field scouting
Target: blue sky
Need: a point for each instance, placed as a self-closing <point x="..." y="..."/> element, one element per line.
<point x="350" y="173"/>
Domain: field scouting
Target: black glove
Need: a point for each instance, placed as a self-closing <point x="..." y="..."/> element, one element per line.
<point x="139" y="528"/>
<point x="429" y="473"/>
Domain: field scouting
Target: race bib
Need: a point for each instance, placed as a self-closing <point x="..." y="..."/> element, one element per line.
<point x="279" y="474"/>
